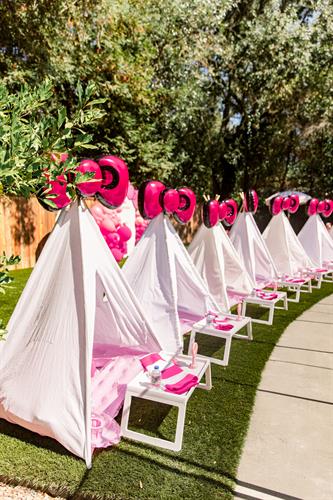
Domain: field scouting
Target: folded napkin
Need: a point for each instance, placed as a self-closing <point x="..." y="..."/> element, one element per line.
<point x="223" y="326"/>
<point x="184" y="385"/>
<point x="180" y="380"/>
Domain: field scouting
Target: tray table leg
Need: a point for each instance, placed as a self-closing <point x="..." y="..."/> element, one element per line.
<point x="207" y="385"/>
<point x="175" y="445"/>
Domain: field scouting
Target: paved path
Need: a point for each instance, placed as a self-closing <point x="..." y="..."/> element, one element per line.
<point x="288" y="451"/>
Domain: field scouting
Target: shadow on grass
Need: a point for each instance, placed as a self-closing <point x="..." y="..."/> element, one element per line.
<point x="179" y="471"/>
<point x="32" y="438"/>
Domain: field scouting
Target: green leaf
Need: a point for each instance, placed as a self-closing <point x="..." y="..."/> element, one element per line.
<point x="61" y="116"/>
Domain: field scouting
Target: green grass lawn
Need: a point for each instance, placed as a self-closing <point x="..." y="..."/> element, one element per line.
<point x="216" y="426"/>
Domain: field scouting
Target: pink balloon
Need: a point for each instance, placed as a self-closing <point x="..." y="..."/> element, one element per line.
<point x="210" y="213"/>
<point x="275" y="205"/>
<point x="113" y="239"/>
<point x="115" y="181"/>
<point x="170" y="200"/>
<point x="90" y="187"/>
<point x="118" y="255"/>
<point x="223" y="210"/>
<point x="108" y="224"/>
<point x="149" y="199"/>
<point x="131" y="192"/>
<point x="321" y="207"/>
<point x="104" y="231"/>
<point x="232" y="209"/>
<point x="56" y="187"/>
<point x="139" y="220"/>
<point x="312" y="206"/>
<point x="124" y="233"/>
<point x="97" y="211"/>
<point x="294" y="203"/>
<point x="187" y="202"/>
<point x="286" y="203"/>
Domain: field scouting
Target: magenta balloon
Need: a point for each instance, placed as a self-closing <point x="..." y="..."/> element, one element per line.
<point x="108" y="224"/>
<point x="275" y="205"/>
<point x="124" y="233"/>
<point x="103" y="230"/>
<point x="312" y="206"/>
<point x="115" y="181"/>
<point x="321" y="207"/>
<point x="251" y="201"/>
<point x="149" y="199"/>
<point x="328" y="208"/>
<point x="187" y="202"/>
<point x="223" y="210"/>
<point x="294" y="203"/>
<point x="286" y="203"/>
<point x="169" y="199"/>
<point x="62" y="200"/>
<point x="97" y="211"/>
<point x="232" y="210"/>
<point x="210" y="213"/>
<point x="118" y="255"/>
<point x="56" y="187"/>
<point x="90" y="187"/>
<point x="113" y="238"/>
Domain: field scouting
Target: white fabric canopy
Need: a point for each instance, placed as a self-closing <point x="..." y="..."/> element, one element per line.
<point x="75" y="296"/>
<point x="288" y="254"/>
<point x="167" y="283"/>
<point x="330" y="232"/>
<point x="316" y="241"/>
<point x="219" y="264"/>
<point x="250" y="245"/>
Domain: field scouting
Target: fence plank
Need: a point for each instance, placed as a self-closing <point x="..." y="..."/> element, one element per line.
<point x="23" y="225"/>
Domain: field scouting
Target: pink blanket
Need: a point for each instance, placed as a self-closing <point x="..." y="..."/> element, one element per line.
<point x="108" y="386"/>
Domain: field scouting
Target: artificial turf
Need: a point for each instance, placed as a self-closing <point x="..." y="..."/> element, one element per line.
<point x="215" y="429"/>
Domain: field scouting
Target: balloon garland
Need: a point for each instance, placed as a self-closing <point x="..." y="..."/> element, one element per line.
<point x="108" y="182"/>
<point x="154" y="198"/>
<point x="284" y="203"/>
<point x="323" y="207"/>
<point x="214" y="211"/>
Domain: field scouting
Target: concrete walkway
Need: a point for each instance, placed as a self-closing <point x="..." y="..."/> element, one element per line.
<point x="288" y="451"/>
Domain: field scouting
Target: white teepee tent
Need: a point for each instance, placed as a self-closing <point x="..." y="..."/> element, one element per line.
<point x="167" y="283"/>
<point x="249" y="243"/>
<point x="220" y="266"/>
<point x="75" y="297"/>
<point x="316" y="241"/>
<point x="288" y="254"/>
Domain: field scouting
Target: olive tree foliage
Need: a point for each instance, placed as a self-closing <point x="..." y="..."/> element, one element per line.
<point x="221" y="94"/>
<point x="271" y="74"/>
<point x="30" y="131"/>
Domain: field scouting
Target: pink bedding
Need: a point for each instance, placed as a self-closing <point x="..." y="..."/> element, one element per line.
<point x="113" y="368"/>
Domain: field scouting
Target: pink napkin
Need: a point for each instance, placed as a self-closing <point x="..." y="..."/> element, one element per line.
<point x="225" y="327"/>
<point x="183" y="385"/>
<point x="150" y="359"/>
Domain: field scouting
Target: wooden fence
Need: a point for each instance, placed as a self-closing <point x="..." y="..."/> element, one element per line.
<point x="24" y="225"/>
